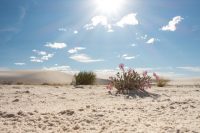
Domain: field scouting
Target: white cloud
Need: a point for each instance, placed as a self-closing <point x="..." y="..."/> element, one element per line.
<point x="151" y="41"/>
<point x="41" y="56"/>
<point x="62" y="29"/>
<point x="37" y="60"/>
<point x="39" y="52"/>
<point x="102" y="20"/>
<point x="33" y="57"/>
<point x="172" y="24"/>
<point x="95" y="21"/>
<point x="192" y="69"/>
<point x="56" y="45"/>
<point x="75" y="50"/>
<point x="144" y="37"/>
<point x="129" y="19"/>
<point x="20" y="64"/>
<point x="84" y="58"/>
<point x="47" y="57"/>
<point x="126" y="57"/>
<point x="110" y="28"/>
<point x="75" y="32"/>
<point x="57" y="68"/>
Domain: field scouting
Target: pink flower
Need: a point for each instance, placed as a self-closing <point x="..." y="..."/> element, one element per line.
<point x="130" y="71"/>
<point x="109" y="86"/>
<point x="156" y="76"/>
<point x="121" y="66"/>
<point x="144" y="73"/>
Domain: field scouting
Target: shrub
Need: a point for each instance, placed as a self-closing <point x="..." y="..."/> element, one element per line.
<point x="160" y="82"/>
<point x="19" y="83"/>
<point x="126" y="81"/>
<point x="85" y="78"/>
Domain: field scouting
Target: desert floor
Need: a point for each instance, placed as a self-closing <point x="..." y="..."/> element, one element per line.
<point x="90" y="109"/>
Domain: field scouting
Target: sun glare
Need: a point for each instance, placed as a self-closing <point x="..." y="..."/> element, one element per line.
<point x="109" y="6"/>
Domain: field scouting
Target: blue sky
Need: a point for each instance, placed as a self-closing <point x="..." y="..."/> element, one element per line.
<point x="72" y="35"/>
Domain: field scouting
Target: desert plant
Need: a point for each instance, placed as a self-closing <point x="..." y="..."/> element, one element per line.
<point x="19" y="83"/>
<point x="126" y="81"/>
<point x="160" y="82"/>
<point x="85" y="78"/>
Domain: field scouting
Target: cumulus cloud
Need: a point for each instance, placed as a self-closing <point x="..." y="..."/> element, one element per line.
<point x="172" y="24"/>
<point x="126" y="57"/>
<point x="56" y="45"/>
<point x="151" y="41"/>
<point x="39" y="52"/>
<point x="47" y="56"/>
<point x="37" y="60"/>
<point x="110" y="29"/>
<point x="20" y="64"/>
<point x="84" y="58"/>
<point x="129" y="19"/>
<point x="75" y="50"/>
<point x="191" y="69"/>
<point x="98" y="20"/>
<point x="41" y="56"/>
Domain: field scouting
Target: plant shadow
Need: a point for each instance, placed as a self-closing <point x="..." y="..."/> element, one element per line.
<point x="139" y="93"/>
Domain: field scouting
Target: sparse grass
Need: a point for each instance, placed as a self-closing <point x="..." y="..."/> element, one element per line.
<point x="85" y="78"/>
<point x="53" y="84"/>
<point x="6" y="83"/>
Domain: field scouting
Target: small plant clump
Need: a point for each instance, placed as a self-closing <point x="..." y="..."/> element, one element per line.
<point x="85" y="78"/>
<point x="127" y="81"/>
<point x="160" y="82"/>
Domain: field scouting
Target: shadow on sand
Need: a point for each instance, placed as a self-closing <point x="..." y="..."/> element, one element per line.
<point x="138" y="93"/>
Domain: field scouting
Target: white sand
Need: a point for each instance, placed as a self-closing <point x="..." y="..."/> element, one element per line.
<point x="35" y="77"/>
<point x="92" y="110"/>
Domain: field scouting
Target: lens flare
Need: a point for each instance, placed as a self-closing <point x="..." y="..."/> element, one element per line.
<point x="109" y="6"/>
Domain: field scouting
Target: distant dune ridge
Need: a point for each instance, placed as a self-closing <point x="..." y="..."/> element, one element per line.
<point x="35" y="77"/>
<point x="39" y="77"/>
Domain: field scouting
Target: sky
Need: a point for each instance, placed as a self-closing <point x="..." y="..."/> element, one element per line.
<point x="96" y="35"/>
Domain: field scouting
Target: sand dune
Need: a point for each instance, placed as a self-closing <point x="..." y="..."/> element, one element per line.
<point x="39" y="77"/>
<point x="35" y="77"/>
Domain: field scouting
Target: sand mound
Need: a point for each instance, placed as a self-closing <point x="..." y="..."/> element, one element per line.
<point x="34" y="77"/>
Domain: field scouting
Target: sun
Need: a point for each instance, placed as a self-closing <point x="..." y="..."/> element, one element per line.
<point x="109" y="6"/>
